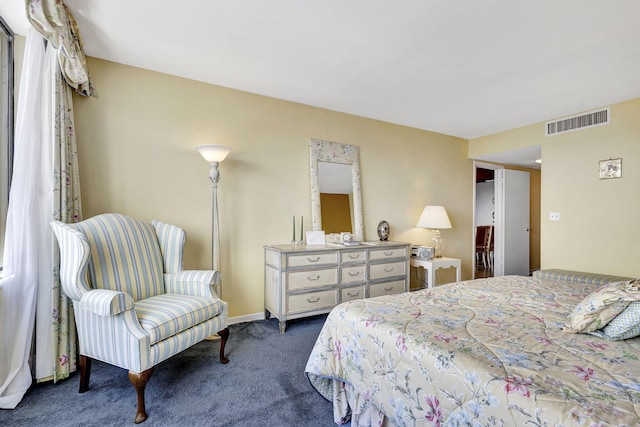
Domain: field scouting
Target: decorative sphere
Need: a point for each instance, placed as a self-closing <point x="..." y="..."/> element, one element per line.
<point x="383" y="231"/>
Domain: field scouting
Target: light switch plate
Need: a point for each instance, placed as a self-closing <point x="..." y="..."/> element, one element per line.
<point x="554" y="216"/>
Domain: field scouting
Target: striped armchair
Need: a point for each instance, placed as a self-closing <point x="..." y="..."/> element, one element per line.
<point x="134" y="305"/>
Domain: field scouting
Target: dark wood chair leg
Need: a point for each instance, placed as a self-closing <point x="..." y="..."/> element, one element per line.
<point x="139" y="382"/>
<point x="224" y="335"/>
<point x="85" y="373"/>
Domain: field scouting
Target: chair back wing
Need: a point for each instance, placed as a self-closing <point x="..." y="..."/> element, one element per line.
<point x="125" y="255"/>
<point x="171" y="240"/>
<point x="74" y="259"/>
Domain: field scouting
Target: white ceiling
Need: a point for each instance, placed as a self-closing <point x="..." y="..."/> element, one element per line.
<point x="466" y="68"/>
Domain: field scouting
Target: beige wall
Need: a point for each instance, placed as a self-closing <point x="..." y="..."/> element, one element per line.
<point x="136" y="150"/>
<point x="598" y="229"/>
<point x="136" y="157"/>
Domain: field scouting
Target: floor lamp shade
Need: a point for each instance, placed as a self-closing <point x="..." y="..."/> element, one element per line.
<point x="213" y="153"/>
<point x="435" y="218"/>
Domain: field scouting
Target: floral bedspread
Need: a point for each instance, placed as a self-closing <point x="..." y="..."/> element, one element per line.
<point x="488" y="352"/>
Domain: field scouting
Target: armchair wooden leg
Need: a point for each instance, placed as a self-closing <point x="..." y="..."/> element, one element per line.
<point x="85" y="373"/>
<point x="224" y="334"/>
<point x="139" y="382"/>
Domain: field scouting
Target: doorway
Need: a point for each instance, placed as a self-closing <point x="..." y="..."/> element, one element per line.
<point x="484" y="221"/>
<point x="501" y="203"/>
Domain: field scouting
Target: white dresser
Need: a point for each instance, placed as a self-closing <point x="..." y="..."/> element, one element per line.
<point x="308" y="280"/>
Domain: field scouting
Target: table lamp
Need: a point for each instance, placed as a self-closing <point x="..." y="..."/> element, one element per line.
<point x="435" y="218"/>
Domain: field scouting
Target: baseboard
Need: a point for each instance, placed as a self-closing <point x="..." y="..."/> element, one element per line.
<point x="246" y="318"/>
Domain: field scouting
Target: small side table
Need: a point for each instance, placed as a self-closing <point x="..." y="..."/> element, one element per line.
<point x="431" y="265"/>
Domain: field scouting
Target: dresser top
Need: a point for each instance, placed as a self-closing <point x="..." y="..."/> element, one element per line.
<point x="335" y="246"/>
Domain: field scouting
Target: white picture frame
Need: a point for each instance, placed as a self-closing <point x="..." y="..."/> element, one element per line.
<point x="611" y="168"/>
<point x="315" y="238"/>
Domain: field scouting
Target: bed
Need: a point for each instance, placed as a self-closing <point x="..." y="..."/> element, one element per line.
<point x="487" y="352"/>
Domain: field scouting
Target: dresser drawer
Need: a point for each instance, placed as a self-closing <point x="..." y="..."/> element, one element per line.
<point x="386" y="288"/>
<point x="354" y="256"/>
<point x="312" y="301"/>
<point x="312" y="278"/>
<point x="310" y="260"/>
<point x="387" y="253"/>
<point x="354" y="274"/>
<point x="390" y="269"/>
<point x="350" y="294"/>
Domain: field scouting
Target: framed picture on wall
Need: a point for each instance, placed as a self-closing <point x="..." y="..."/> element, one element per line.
<point x="611" y="168"/>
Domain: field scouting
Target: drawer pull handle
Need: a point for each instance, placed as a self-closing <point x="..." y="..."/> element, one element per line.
<point x="316" y="259"/>
<point x="388" y="269"/>
<point x="388" y="288"/>
<point x="313" y="279"/>
<point x="353" y="294"/>
<point x="388" y="253"/>
<point x="352" y="274"/>
<point x="312" y="300"/>
<point x="351" y="256"/>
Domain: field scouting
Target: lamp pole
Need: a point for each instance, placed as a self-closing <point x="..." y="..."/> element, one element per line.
<point x="214" y="176"/>
<point x="214" y="154"/>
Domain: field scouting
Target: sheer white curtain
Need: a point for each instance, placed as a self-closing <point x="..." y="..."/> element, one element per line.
<point x="45" y="187"/>
<point x="26" y="259"/>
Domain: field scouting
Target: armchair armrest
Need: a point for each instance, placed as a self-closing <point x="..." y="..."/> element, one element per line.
<point x="105" y="302"/>
<point x="192" y="282"/>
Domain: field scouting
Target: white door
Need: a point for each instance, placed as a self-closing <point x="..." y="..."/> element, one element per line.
<point x="511" y="240"/>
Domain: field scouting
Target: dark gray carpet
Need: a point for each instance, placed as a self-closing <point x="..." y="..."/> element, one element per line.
<point x="262" y="385"/>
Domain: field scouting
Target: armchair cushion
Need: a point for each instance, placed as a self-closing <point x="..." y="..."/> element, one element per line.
<point x="166" y="315"/>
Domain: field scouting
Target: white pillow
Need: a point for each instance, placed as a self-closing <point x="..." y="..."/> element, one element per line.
<point x="602" y="305"/>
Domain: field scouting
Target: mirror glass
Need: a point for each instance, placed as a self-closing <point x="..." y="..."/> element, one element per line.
<point x="336" y="202"/>
<point x="336" y="197"/>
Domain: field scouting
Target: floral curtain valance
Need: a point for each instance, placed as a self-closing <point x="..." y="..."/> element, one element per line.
<point x="56" y="23"/>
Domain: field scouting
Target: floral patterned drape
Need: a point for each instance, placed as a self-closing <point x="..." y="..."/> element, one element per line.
<point x="67" y="208"/>
<point x="55" y="22"/>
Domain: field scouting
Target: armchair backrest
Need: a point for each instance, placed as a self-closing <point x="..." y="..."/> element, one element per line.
<point x="124" y="255"/>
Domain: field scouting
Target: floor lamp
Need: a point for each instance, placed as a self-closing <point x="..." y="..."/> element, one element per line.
<point x="214" y="154"/>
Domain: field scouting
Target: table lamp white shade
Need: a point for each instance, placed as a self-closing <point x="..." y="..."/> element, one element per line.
<point x="435" y="218"/>
<point x="213" y="153"/>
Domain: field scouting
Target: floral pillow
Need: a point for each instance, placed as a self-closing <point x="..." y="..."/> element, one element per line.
<point x="602" y="305"/>
<point x="625" y="325"/>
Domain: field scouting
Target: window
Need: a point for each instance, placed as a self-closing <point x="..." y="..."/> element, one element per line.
<point x="6" y="125"/>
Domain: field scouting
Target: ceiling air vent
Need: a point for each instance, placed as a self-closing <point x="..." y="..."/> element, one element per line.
<point x="582" y="121"/>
